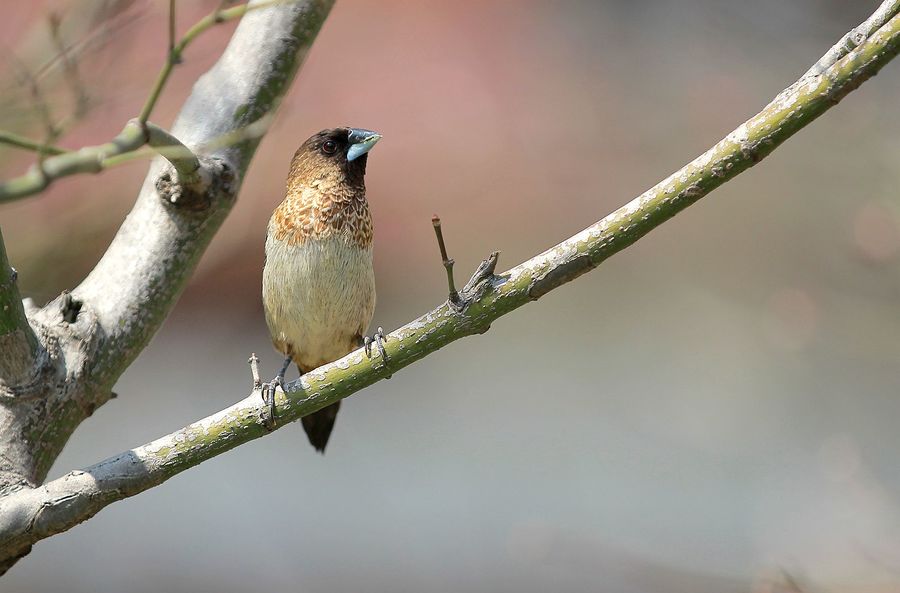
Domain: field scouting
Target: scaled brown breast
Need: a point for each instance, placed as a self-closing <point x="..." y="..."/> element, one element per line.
<point x="321" y="209"/>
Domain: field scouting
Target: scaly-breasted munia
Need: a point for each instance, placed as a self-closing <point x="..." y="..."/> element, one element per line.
<point x="318" y="282"/>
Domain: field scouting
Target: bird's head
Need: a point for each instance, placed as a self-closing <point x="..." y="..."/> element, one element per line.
<point x="339" y="154"/>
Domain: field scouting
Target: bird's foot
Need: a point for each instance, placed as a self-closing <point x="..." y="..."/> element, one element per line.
<point x="268" y="395"/>
<point x="378" y="338"/>
<point x="267" y="415"/>
<point x="267" y="391"/>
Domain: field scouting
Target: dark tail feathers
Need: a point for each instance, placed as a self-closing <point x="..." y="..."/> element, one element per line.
<point x="318" y="425"/>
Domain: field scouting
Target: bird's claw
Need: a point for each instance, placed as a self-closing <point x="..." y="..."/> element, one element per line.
<point x="378" y="338"/>
<point x="268" y="397"/>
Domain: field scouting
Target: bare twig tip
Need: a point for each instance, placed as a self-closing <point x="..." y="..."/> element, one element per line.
<point x="445" y="259"/>
<point x="254" y="371"/>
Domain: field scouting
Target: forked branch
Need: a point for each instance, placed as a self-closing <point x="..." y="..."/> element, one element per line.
<point x="136" y="134"/>
<point x="94" y="332"/>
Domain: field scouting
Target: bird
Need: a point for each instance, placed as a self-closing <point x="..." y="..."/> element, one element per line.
<point x="318" y="283"/>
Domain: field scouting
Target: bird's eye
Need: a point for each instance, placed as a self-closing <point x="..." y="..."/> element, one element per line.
<point x="329" y="146"/>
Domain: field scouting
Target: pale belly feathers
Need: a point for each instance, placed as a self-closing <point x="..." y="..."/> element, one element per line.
<point x="319" y="298"/>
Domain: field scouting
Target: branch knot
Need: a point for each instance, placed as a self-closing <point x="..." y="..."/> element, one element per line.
<point x="210" y="183"/>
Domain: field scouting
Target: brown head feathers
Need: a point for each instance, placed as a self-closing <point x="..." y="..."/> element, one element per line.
<point x="326" y="192"/>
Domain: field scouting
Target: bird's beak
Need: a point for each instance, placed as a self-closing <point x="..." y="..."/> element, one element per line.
<point x="361" y="142"/>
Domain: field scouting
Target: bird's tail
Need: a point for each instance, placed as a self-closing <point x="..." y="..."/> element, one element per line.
<point x="318" y="425"/>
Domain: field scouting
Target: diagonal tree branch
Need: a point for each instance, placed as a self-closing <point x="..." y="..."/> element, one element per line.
<point x="31" y="515"/>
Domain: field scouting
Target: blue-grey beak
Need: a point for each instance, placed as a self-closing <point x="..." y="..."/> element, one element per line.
<point x="361" y="142"/>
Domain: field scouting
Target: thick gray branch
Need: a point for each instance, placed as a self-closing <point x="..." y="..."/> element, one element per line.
<point x="135" y="284"/>
<point x="93" y="334"/>
<point x="19" y="347"/>
<point x="31" y="515"/>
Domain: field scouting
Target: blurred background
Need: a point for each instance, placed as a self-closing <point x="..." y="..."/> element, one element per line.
<point x="714" y="409"/>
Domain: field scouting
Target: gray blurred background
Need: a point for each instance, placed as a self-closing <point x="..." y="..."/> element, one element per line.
<point x="714" y="409"/>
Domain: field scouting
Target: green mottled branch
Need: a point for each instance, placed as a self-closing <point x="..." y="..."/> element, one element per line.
<point x="89" y="159"/>
<point x="32" y="515"/>
<point x="94" y="159"/>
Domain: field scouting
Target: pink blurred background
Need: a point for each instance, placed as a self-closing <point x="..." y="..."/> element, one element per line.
<point x="712" y="408"/>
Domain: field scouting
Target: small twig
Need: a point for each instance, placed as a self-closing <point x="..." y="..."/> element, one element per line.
<point x="125" y="147"/>
<point x="185" y="163"/>
<point x="40" y="105"/>
<point x="90" y="159"/>
<point x="249" y="132"/>
<point x="484" y="271"/>
<point x="254" y="371"/>
<point x="177" y="50"/>
<point x="70" y="71"/>
<point x="171" y="26"/>
<point x="128" y="147"/>
<point x="173" y="57"/>
<point x="94" y="39"/>
<point x="18" y="141"/>
<point x="222" y="6"/>
<point x="478" y="284"/>
<point x="448" y="263"/>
